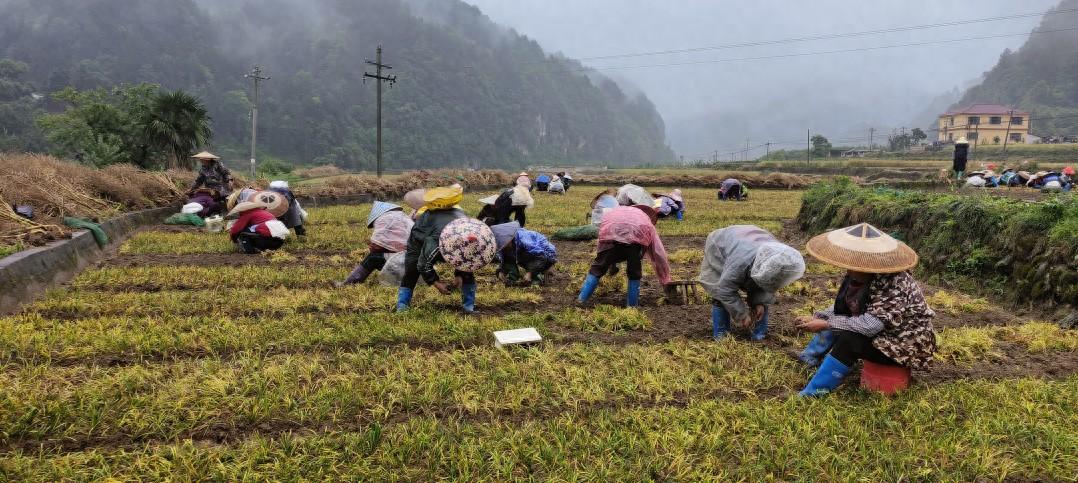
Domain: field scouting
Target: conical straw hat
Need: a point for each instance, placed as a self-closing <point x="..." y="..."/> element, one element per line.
<point x="863" y="248"/>
<point x="206" y="155"/>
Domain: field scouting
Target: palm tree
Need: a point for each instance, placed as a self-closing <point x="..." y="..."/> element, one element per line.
<point x="177" y="123"/>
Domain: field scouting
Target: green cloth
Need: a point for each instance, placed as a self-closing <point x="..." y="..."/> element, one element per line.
<point x="578" y="233"/>
<point x="99" y="235"/>
<point x="185" y="219"/>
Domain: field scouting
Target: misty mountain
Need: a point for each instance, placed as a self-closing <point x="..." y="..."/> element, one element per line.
<point x="1041" y="77"/>
<point x="469" y="92"/>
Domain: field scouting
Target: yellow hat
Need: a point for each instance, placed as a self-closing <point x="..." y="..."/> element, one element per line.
<point x="443" y="198"/>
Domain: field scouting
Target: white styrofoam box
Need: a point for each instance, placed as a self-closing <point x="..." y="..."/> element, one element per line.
<point x="516" y="337"/>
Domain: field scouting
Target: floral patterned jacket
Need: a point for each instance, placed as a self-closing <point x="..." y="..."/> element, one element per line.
<point x="907" y="335"/>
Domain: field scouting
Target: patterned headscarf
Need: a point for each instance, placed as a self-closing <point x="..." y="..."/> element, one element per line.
<point x="467" y="244"/>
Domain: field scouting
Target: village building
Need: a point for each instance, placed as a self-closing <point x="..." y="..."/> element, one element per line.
<point x="985" y="124"/>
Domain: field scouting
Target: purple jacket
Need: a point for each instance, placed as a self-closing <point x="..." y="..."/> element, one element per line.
<point x="209" y="205"/>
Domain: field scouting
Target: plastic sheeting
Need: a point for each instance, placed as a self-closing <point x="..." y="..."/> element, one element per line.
<point x="522" y="197"/>
<point x="391" y="231"/>
<point x="776" y="266"/>
<point x="393" y="271"/>
<point x="632" y="194"/>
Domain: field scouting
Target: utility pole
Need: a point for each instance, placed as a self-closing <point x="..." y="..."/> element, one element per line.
<point x="746" y="158"/>
<point x="1008" y="135"/>
<point x="871" y="138"/>
<point x="768" y="144"/>
<point x="808" y="147"/>
<point x="256" y="76"/>
<point x="379" y="79"/>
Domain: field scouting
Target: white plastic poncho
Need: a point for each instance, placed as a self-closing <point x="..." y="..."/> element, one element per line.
<point x="632" y="194"/>
<point x="391" y="230"/>
<point x="776" y="265"/>
<point x="522" y="197"/>
<point x="604" y="204"/>
<point x="730" y="266"/>
<point x="393" y="271"/>
<point x="556" y="186"/>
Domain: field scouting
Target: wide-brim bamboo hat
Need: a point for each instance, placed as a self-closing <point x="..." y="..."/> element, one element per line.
<point x="206" y="155"/>
<point x="272" y="201"/>
<point x="863" y="248"/>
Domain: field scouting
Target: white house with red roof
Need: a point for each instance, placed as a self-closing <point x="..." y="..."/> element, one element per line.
<point x="984" y="124"/>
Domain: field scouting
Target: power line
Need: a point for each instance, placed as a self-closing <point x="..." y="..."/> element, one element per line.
<point x="807" y="54"/>
<point x="826" y="36"/>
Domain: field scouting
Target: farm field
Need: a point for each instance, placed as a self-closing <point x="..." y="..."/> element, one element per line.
<point x="179" y="359"/>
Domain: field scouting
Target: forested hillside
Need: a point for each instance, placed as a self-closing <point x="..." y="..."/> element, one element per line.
<point x="470" y="93"/>
<point x="1042" y="76"/>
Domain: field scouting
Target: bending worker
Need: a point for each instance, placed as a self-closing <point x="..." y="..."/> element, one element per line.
<point x="525" y="248"/>
<point x="444" y="233"/>
<point x="391" y="230"/>
<point x="746" y="258"/>
<point x="879" y="314"/>
<point x="627" y="234"/>
<point x="294" y="217"/>
<point x="257" y="229"/>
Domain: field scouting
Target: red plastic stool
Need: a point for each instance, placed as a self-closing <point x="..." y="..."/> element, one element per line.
<point x="885" y="379"/>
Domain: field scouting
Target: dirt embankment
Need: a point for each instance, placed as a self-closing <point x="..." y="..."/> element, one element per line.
<point x="761" y="181"/>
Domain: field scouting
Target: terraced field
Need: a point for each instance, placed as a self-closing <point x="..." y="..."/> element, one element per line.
<point x="179" y="359"/>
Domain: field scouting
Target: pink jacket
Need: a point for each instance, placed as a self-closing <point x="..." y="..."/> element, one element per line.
<point x="626" y="224"/>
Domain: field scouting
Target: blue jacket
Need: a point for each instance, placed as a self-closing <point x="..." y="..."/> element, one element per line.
<point x="535" y="244"/>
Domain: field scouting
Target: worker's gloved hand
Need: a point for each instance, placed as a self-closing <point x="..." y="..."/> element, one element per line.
<point x="744" y="322"/>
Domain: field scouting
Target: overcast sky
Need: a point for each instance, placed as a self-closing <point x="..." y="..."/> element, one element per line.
<point x="895" y="83"/>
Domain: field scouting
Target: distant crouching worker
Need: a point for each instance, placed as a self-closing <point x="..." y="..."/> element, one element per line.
<point x="746" y="258"/>
<point x="542" y="182"/>
<point x="879" y="315"/>
<point x="627" y="234"/>
<point x="731" y="189"/>
<point x="672" y="204"/>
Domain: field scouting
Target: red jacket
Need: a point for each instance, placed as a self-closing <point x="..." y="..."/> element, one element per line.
<point x="257" y="218"/>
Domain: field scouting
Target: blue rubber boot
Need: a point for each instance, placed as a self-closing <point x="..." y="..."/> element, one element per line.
<point x="817" y="347"/>
<point x="404" y="299"/>
<point x="759" y="331"/>
<point x="632" y="296"/>
<point x="590" y="284"/>
<point x="680" y="215"/>
<point x="720" y="322"/>
<point x="827" y="378"/>
<point x="467" y="297"/>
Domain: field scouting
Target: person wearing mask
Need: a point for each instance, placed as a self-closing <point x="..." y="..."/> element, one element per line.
<point x="880" y="314"/>
<point x="749" y="259"/>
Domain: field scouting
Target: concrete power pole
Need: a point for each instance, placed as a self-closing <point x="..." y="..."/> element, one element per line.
<point x="871" y="138"/>
<point x="1008" y="134"/>
<point x="256" y="76"/>
<point x="379" y="79"/>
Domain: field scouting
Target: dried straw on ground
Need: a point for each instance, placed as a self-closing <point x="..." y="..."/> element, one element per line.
<point x="57" y="188"/>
